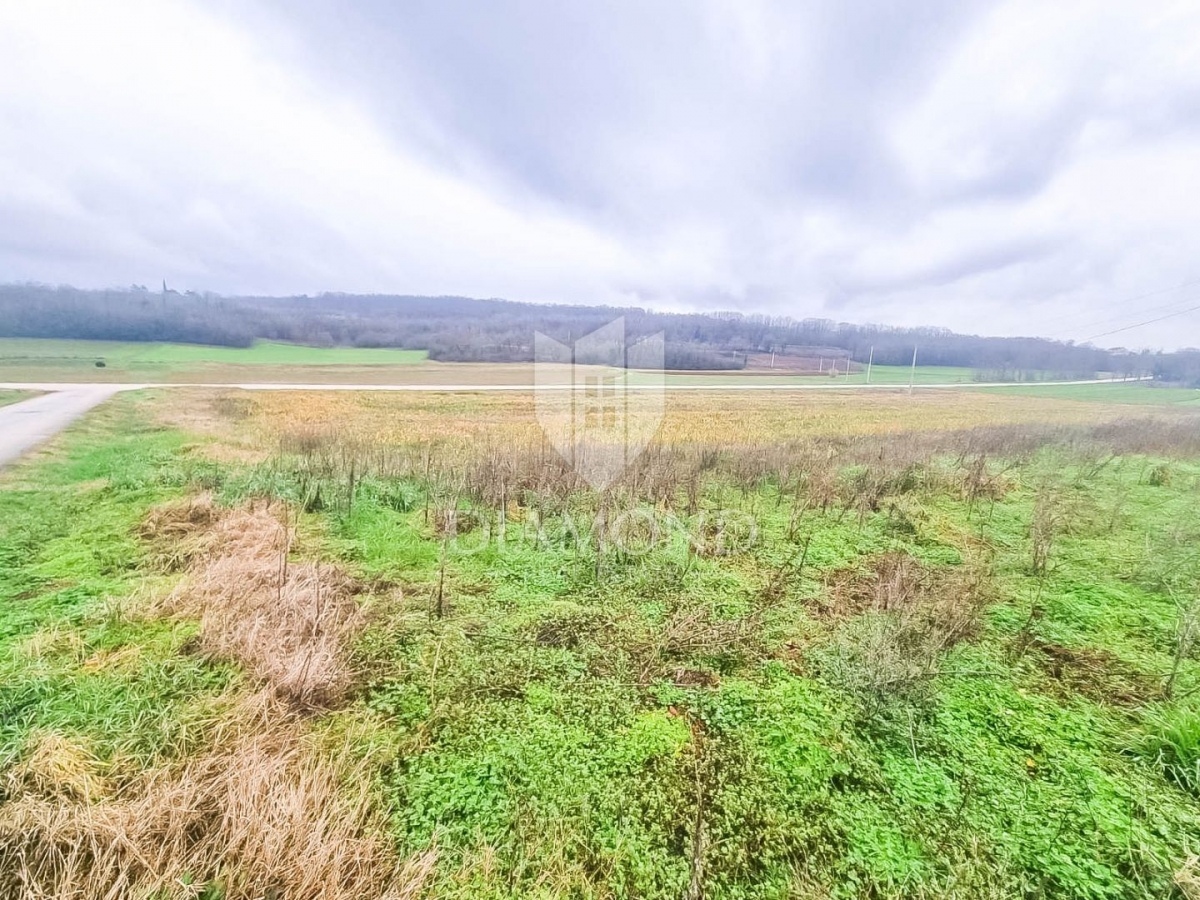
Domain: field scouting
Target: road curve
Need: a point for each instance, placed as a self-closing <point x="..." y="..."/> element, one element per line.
<point x="26" y="424"/>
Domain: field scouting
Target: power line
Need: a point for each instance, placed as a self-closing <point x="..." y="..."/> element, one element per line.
<point x="1163" y="307"/>
<point x="1171" y="307"/>
<point x="1127" y="300"/>
<point x="1140" y="324"/>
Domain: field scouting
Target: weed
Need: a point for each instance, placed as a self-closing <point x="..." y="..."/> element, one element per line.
<point x="1047" y="523"/>
<point x="1173" y="743"/>
<point x="1160" y="475"/>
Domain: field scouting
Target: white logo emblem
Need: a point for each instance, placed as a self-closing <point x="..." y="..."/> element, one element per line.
<point x="600" y="401"/>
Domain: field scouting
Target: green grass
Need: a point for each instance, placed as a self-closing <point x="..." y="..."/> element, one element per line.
<point x="68" y="556"/>
<point x="131" y="356"/>
<point x="1141" y="393"/>
<point x="269" y="353"/>
<point x="924" y="375"/>
<point x="9" y="397"/>
<point x="562" y="728"/>
<point x="1173" y="743"/>
<point x="881" y="375"/>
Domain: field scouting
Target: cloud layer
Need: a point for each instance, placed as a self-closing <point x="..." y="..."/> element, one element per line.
<point x="1007" y="168"/>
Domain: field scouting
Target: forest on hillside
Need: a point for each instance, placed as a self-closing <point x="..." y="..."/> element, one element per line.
<point x="468" y="329"/>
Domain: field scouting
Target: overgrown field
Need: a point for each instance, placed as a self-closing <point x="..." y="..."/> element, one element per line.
<point x="452" y="421"/>
<point x="268" y="646"/>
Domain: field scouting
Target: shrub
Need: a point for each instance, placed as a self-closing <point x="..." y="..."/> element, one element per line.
<point x="1045" y="527"/>
<point x="1160" y="475"/>
<point x="894" y="649"/>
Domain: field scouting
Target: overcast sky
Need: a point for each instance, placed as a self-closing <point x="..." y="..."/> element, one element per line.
<point x="1004" y="168"/>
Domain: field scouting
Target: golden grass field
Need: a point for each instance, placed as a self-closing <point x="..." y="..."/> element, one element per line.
<point x="510" y="418"/>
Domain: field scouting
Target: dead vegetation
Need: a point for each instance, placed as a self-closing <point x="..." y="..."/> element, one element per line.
<point x="56" y="768"/>
<point x="288" y="623"/>
<point x="843" y="473"/>
<point x="262" y="814"/>
<point x="179" y="531"/>
<point x="1093" y="673"/>
<point x="887" y="582"/>
<point x="897" y="618"/>
<point x="726" y="419"/>
<point x="983" y="481"/>
<point x="896" y="582"/>
<point x="1049" y="518"/>
<point x="572" y="627"/>
<point x="1187" y="878"/>
<point x="219" y="420"/>
<point x="695" y="630"/>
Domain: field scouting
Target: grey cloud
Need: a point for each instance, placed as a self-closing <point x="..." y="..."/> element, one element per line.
<point x="985" y="165"/>
<point x="972" y="263"/>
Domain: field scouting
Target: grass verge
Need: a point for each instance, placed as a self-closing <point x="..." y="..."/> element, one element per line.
<point x="9" y="397"/>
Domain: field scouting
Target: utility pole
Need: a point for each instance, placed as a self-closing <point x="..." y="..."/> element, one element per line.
<point x="772" y="359"/>
<point x="870" y="361"/>
<point x="912" y="377"/>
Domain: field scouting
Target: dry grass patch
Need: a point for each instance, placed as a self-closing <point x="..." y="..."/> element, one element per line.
<point x="261" y="814"/>
<point x="288" y="623"/>
<point x="263" y="811"/>
<point x="1187" y="878"/>
<point x="886" y="582"/>
<point x="56" y="768"/>
<point x="55" y="640"/>
<point x="1093" y="673"/>
<point x="179" y="531"/>
<point x="218" y="416"/>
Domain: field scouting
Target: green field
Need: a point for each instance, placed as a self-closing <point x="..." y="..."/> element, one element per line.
<point x="964" y="667"/>
<point x="1141" y="393"/>
<point x="923" y="375"/>
<point x="881" y="375"/>
<point x="134" y="357"/>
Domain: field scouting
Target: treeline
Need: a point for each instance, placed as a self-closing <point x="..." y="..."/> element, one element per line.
<point x="125" y="315"/>
<point x="1178" y="368"/>
<point x="466" y="329"/>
